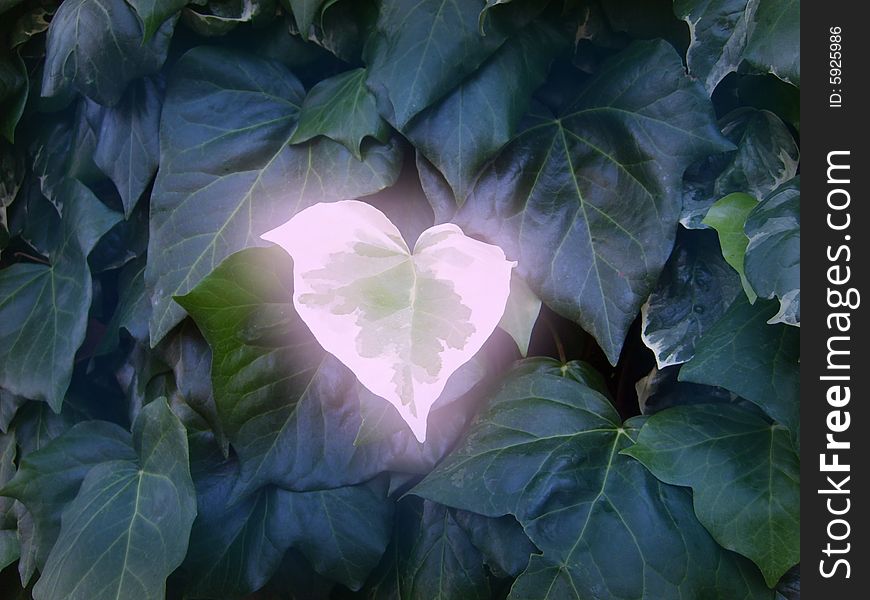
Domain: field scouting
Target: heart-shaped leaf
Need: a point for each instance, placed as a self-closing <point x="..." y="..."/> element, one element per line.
<point x="403" y="322"/>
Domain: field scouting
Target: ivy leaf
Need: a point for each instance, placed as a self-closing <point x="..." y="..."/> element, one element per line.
<point x="128" y="527"/>
<point x="547" y="450"/>
<point x="520" y="313"/>
<point x="464" y="129"/>
<point x="305" y="12"/>
<point x="773" y="257"/>
<point x="127" y="147"/>
<point x="586" y="202"/>
<point x="342" y="531"/>
<point x="502" y="541"/>
<point x="343" y="109"/>
<point x="133" y="310"/>
<point x="402" y="321"/>
<point x="102" y="63"/>
<point x="237" y="546"/>
<point x="766" y="156"/>
<point x="725" y="32"/>
<point x="756" y="361"/>
<point x="154" y="13"/>
<point x="232" y="553"/>
<point x="49" y="478"/>
<point x="728" y="216"/>
<point x="14" y="89"/>
<point x="694" y="291"/>
<point x="774" y="44"/>
<point x="744" y="474"/>
<point x="432" y="557"/>
<point x="422" y="49"/>
<point x="202" y="208"/>
<point x="44" y="308"/>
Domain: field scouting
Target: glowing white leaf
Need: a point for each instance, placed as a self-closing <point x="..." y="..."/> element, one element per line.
<point x="403" y="322"/>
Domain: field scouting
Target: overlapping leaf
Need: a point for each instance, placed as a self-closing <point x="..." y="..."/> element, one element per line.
<point x="431" y="556"/>
<point x="112" y="54"/>
<point x="341" y="108"/>
<point x="756" y="361"/>
<point x="126" y="135"/>
<point x="547" y="450"/>
<point x="127" y="528"/>
<point x="153" y="13"/>
<point x="587" y="201"/>
<point x="44" y="308"/>
<point x="694" y="290"/>
<point x="237" y="546"/>
<point x="772" y="259"/>
<point x="765" y="33"/>
<point x="49" y="478"/>
<point x="744" y="473"/>
<point x="766" y="156"/>
<point x="421" y="49"/>
<point x="228" y="174"/>
<point x="463" y="130"/>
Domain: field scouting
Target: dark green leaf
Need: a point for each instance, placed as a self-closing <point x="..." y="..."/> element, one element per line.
<point x="464" y="129"/>
<point x="305" y="12"/>
<point x="14" y="88"/>
<point x="345" y="26"/>
<point x="127" y="147"/>
<point x="36" y="424"/>
<point x="9" y="549"/>
<point x="153" y="13"/>
<point x="49" y="478"/>
<point x="44" y="308"/>
<point x="774" y="43"/>
<point x="189" y="356"/>
<point x="236" y="547"/>
<point x="547" y="450"/>
<point x="766" y="156"/>
<point x="725" y="32"/>
<point x="342" y="531"/>
<point x="728" y="216"/>
<point x="112" y="54"/>
<point x="588" y="202"/>
<point x="773" y="258"/>
<point x="133" y="310"/>
<point x="756" y="361"/>
<point x="694" y="290"/>
<point x="232" y="552"/>
<point x="502" y="541"/>
<point x="433" y="557"/>
<point x="343" y="109"/>
<point x="220" y="187"/>
<point x="422" y="49"/>
<point x="8" y="450"/>
<point x="661" y="389"/>
<point x="744" y="473"/>
<point x="127" y="529"/>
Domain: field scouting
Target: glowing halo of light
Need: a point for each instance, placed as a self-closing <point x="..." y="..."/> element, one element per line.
<point x="402" y="321"/>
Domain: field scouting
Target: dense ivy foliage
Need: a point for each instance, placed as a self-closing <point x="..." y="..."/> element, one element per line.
<point x="169" y="426"/>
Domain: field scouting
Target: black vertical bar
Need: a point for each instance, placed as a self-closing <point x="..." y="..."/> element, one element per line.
<point x="835" y="112"/>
